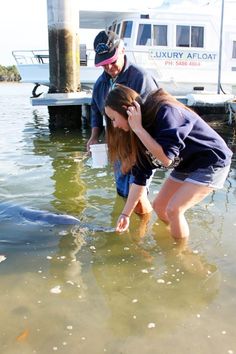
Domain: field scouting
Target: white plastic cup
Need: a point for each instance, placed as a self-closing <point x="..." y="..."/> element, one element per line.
<point x="99" y="155"/>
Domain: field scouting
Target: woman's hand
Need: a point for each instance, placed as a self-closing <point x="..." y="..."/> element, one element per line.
<point x="134" y="117"/>
<point x="122" y="223"/>
<point x="135" y="194"/>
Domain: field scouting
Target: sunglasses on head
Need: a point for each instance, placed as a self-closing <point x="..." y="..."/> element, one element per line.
<point x="102" y="48"/>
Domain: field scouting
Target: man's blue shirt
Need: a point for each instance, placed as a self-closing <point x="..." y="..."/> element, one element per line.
<point x="131" y="76"/>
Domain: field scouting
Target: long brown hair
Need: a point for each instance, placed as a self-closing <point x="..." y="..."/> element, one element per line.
<point x="126" y="146"/>
<point x="121" y="145"/>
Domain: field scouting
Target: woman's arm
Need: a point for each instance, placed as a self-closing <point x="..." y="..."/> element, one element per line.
<point x="135" y="122"/>
<point x="135" y="193"/>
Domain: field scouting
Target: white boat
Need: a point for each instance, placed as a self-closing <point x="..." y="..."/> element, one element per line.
<point x="181" y="48"/>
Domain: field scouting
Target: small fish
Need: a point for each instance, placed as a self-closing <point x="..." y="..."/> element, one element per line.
<point x="23" y="336"/>
<point x="2" y="258"/>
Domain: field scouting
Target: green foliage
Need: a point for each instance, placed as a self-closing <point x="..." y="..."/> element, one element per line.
<point x="9" y="73"/>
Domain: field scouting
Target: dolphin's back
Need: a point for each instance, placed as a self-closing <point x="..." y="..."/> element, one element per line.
<point x="50" y="218"/>
<point x="18" y="212"/>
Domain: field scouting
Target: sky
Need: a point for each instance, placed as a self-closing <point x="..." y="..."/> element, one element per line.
<point x="23" y="24"/>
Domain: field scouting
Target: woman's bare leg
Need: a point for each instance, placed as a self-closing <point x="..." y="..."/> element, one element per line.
<point x="186" y="197"/>
<point x="168" y="189"/>
<point x="174" y="200"/>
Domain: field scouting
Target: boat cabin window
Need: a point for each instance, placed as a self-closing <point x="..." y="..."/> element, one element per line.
<point x="126" y="29"/>
<point x="160" y="35"/>
<point x="234" y="50"/>
<point x="189" y="36"/>
<point x="113" y="27"/>
<point x="144" y="34"/>
<point x="197" y="35"/>
<point x="118" y="28"/>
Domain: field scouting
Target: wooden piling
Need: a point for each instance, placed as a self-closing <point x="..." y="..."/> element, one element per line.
<point x="64" y="60"/>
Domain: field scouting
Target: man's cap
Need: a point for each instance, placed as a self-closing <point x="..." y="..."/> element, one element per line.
<point x="106" y="45"/>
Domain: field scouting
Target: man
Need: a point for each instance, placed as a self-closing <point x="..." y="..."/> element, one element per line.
<point x="110" y="54"/>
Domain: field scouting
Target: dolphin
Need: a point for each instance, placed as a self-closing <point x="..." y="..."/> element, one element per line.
<point x="18" y="213"/>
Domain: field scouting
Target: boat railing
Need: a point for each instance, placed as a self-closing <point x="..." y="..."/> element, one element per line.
<point x="26" y="57"/>
<point x="41" y="57"/>
<point x="33" y="57"/>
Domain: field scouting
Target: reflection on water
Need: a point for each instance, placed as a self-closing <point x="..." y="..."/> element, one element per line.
<point x="69" y="290"/>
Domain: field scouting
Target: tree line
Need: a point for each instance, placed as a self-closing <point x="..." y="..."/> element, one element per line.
<point x="9" y="73"/>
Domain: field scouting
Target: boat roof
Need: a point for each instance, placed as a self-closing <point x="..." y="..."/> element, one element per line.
<point x="102" y="19"/>
<point x="91" y="18"/>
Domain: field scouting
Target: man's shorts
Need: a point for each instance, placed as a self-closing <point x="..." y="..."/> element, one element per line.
<point x="123" y="181"/>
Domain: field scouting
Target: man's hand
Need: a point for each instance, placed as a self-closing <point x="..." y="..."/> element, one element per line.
<point x="94" y="138"/>
<point x="91" y="141"/>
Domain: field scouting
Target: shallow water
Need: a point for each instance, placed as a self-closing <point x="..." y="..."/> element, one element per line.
<point x="67" y="289"/>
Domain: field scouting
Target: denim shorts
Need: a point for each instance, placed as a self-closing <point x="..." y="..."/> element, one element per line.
<point x="213" y="177"/>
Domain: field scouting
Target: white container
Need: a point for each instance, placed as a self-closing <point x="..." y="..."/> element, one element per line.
<point x="99" y="155"/>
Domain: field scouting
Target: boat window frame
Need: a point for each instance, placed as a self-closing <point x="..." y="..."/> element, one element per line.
<point x="200" y="36"/>
<point x="187" y="42"/>
<point x="113" y="26"/>
<point x="144" y="29"/>
<point x="126" y="29"/>
<point x="118" y="27"/>
<point x="233" y="49"/>
<point x="157" y="25"/>
<point x="150" y="40"/>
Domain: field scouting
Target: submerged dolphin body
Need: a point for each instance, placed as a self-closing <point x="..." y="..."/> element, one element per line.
<point x="47" y="217"/>
<point x="18" y="213"/>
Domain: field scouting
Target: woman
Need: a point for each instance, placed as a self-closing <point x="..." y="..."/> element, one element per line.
<point x="164" y="132"/>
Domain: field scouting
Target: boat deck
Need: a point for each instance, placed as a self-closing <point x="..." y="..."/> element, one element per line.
<point x="63" y="99"/>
